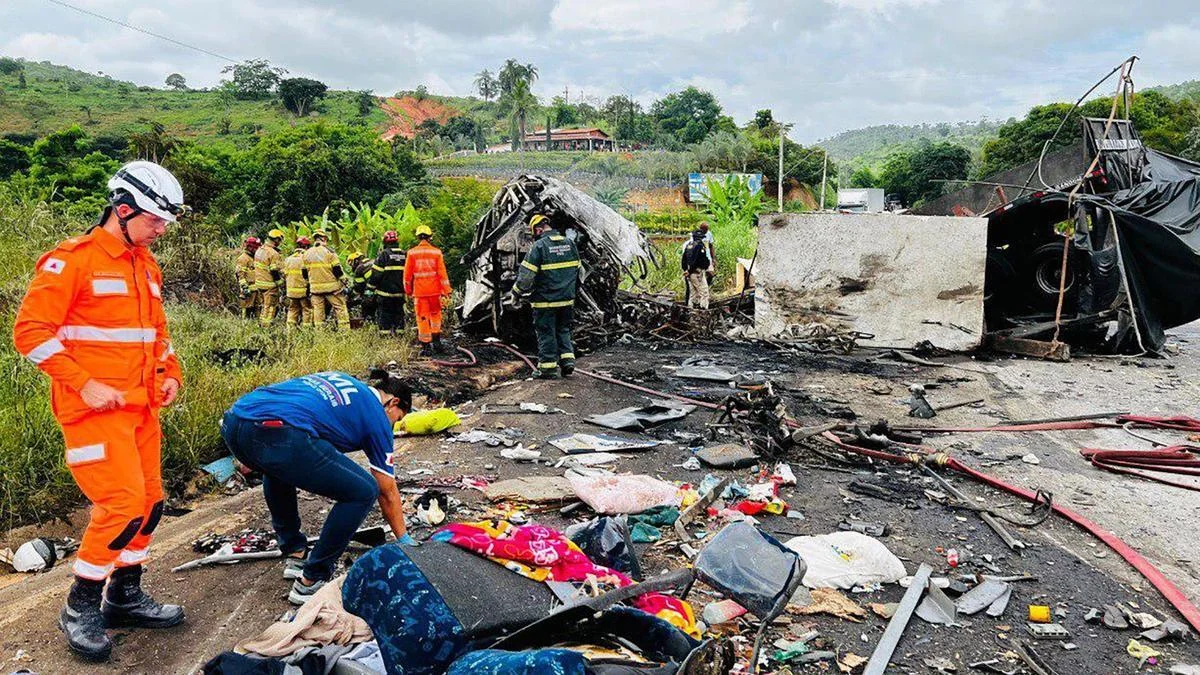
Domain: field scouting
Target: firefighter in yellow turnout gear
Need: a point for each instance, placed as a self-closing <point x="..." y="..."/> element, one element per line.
<point x="325" y="282"/>
<point x="299" y="305"/>
<point x="250" y="297"/>
<point x="268" y="276"/>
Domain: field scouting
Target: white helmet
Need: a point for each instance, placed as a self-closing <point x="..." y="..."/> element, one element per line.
<point x="153" y="188"/>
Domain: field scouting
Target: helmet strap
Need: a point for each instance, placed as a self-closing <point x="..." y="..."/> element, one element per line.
<point x="124" y="223"/>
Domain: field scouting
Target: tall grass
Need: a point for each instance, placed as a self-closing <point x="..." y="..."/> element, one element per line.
<point x="34" y="482"/>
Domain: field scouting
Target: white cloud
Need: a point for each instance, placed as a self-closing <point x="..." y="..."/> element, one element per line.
<point x="828" y="65"/>
<point x="677" y="19"/>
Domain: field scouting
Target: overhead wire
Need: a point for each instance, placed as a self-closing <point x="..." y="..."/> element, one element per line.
<point x="144" y="31"/>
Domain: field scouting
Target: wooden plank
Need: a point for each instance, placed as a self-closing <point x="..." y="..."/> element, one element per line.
<point x="1051" y="351"/>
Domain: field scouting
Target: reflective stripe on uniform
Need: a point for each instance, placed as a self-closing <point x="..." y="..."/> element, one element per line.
<point x="133" y="556"/>
<point x="528" y="265"/>
<point x="385" y="294"/>
<point x="568" y="355"/>
<point x="560" y="265"/>
<point x="89" y="571"/>
<point x="552" y="305"/>
<point x="87" y="453"/>
<point x="96" y="334"/>
<point x="548" y="366"/>
<point x="109" y="287"/>
<point x="557" y="237"/>
<point x="45" y="350"/>
<point x="323" y="266"/>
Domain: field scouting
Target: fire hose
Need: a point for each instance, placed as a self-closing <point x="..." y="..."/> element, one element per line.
<point x="1176" y="459"/>
<point x="1147" y="569"/>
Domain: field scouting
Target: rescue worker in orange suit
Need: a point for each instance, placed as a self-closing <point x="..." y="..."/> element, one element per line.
<point x="249" y="294"/>
<point x="385" y="282"/>
<point x="295" y="285"/>
<point x="268" y="276"/>
<point x="426" y="282"/>
<point x="93" y="321"/>
<point x="325" y="282"/>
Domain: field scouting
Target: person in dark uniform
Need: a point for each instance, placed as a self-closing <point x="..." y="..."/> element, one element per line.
<point x="547" y="278"/>
<point x="385" y="283"/>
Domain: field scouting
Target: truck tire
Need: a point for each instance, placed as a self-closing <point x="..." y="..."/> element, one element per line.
<point x="1045" y="268"/>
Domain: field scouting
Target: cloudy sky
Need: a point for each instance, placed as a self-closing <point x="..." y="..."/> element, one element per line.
<point x="826" y="65"/>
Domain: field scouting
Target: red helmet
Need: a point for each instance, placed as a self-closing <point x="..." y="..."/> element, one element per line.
<point x="390" y="237"/>
<point x="252" y="243"/>
<point x="303" y="242"/>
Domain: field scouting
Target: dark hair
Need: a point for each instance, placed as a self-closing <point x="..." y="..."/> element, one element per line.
<point x="391" y="385"/>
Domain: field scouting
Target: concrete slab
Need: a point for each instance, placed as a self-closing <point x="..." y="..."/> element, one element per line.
<point x="901" y="278"/>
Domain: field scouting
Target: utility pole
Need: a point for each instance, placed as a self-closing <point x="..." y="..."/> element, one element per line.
<point x="824" y="166"/>
<point x="566" y="94"/>
<point x="779" y="183"/>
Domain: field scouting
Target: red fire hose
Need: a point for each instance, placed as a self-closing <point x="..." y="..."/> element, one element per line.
<point x="1177" y="459"/>
<point x="1147" y="569"/>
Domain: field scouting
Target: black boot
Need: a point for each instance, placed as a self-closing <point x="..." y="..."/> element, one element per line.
<point x="82" y="622"/>
<point x="568" y="367"/>
<point x="126" y="604"/>
<point x="437" y="344"/>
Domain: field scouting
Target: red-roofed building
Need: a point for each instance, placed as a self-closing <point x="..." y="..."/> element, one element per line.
<point x="569" y="139"/>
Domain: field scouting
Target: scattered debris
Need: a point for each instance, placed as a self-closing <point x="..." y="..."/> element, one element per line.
<point x="1047" y="630"/>
<point x="578" y="443"/>
<point x="918" y="406"/>
<point x="531" y="489"/>
<point x="845" y="560"/>
<point x="899" y="621"/>
<point x="521" y="454"/>
<point x="727" y="456"/>
<point x="937" y="608"/>
<point x="831" y="601"/>
<point x="1031" y="458"/>
<point x="639" y="418"/>
<point x="1169" y="629"/>
<point x="1143" y="653"/>
<point x="983" y="596"/>
<point x="623" y="494"/>
<point x="38" y="555"/>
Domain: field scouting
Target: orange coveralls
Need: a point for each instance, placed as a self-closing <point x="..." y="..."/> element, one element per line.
<point x="94" y="311"/>
<point x="425" y="281"/>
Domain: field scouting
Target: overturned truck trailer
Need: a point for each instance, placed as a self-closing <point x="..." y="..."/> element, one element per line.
<point x="610" y="247"/>
<point x="1129" y="222"/>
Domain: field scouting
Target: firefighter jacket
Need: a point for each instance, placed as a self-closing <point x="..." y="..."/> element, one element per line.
<point x="386" y="276"/>
<point x="549" y="272"/>
<point x="425" y="272"/>
<point x="324" y="269"/>
<point x="94" y="310"/>
<point x="295" y="277"/>
<point x="245" y="271"/>
<point x="268" y="270"/>
<point x="361" y="271"/>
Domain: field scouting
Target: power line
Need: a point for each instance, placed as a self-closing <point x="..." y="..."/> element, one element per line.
<point x="142" y="30"/>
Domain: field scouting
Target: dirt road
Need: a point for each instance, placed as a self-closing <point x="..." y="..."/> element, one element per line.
<point x="227" y="604"/>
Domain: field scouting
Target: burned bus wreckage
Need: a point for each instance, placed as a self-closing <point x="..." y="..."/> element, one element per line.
<point x="611" y="249"/>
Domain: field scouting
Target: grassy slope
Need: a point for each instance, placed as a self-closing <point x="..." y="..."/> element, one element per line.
<point x="56" y="95"/>
<point x="870" y="146"/>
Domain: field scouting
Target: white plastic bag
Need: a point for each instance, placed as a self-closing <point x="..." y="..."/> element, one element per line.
<point x="845" y="560"/>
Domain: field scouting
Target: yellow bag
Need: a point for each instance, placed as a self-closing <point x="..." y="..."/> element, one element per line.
<point x="425" y="422"/>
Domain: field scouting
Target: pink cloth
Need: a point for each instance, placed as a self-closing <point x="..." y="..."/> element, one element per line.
<point x="554" y="557"/>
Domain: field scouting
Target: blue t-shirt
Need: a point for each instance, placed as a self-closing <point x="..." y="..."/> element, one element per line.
<point x="332" y="406"/>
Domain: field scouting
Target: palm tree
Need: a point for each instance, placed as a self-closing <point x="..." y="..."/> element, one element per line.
<point x="517" y="104"/>
<point x="486" y="83"/>
<point x="530" y="72"/>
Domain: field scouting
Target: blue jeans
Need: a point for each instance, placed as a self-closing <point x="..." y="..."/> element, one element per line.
<point x="290" y="458"/>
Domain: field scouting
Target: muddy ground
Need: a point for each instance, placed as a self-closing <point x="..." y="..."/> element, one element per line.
<point x="1074" y="572"/>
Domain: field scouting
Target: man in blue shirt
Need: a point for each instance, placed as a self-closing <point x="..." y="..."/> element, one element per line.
<point x="297" y="433"/>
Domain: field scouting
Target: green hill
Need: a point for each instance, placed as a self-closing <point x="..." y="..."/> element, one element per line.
<point x="1189" y="90"/>
<point x="870" y="146"/>
<point x="56" y="97"/>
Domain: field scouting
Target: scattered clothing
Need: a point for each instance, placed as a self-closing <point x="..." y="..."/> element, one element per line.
<point x="323" y="620"/>
<point x="533" y="662"/>
<point x="542" y="554"/>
